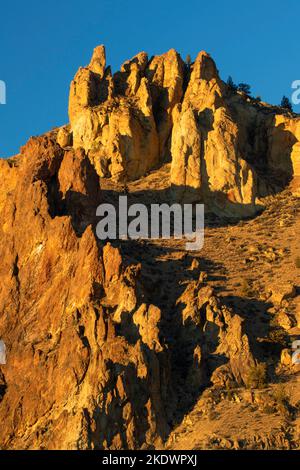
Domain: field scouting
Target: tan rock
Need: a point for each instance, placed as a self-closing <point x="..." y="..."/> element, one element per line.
<point x="297" y="313"/>
<point x="61" y="340"/>
<point x="186" y="162"/>
<point x="104" y="350"/>
<point x="206" y="162"/>
<point x="124" y="123"/>
<point x="165" y="74"/>
<point x="284" y="320"/>
<point x="283" y="292"/>
<point x="286" y="357"/>
<point x="283" y="145"/>
<point x="112" y="261"/>
<point x="64" y="137"/>
<point x="119" y="134"/>
<point x="98" y="61"/>
<point x="205" y="89"/>
<point x="147" y="319"/>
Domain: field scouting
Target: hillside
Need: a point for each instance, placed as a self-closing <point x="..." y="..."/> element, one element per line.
<point x="140" y="344"/>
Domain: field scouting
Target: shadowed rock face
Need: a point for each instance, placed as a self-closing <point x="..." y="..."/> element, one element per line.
<point x="88" y="361"/>
<point x="70" y="380"/>
<point x="109" y="346"/>
<point x="226" y="149"/>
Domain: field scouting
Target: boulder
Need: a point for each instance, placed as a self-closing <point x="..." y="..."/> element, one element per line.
<point x="282" y="292"/>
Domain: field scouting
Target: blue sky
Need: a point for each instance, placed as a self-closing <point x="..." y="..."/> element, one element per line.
<point x="42" y="44"/>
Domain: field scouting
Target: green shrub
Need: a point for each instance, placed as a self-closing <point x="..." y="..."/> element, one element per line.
<point x="269" y="409"/>
<point x="231" y="84"/>
<point x="246" y="289"/>
<point x="257" y="376"/>
<point x="244" y="87"/>
<point x="278" y="335"/>
<point x="281" y="395"/>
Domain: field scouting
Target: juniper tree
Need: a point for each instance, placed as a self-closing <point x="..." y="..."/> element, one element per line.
<point x="285" y="103"/>
<point x="231" y="83"/>
<point x="245" y="88"/>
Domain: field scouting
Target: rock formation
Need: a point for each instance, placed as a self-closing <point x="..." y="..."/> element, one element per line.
<point x="103" y="338"/>
<point x="73" y="312"/>
<point x="57" y="316"/>
<point x="226" y="149"/>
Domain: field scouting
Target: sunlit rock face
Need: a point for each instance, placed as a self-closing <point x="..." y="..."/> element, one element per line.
<point x="71" y="380"/>
<point x="88" y="365"/>
<point x="109" y="345"/>
<point x="226" y="149"/>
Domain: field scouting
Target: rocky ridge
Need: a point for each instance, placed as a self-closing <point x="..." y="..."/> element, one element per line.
<point x="226" y="149"/>
<point x="116" y="346"/>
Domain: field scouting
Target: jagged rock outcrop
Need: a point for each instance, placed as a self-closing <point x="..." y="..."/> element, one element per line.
<point x="206" y="159"/>
<point x="166" y="75"/>
<point x="284" y="150"/>
<point x="227" y="150"/>
<point x="118" y="132"/>
<point x="103" y="352"/>
<point x="214" y="332"/>
<point x="88" y="365"/>
<point x="126" y="130"/>
<point x="71" y="381"/>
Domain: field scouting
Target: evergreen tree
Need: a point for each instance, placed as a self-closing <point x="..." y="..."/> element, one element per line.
<point x="245" y="88"/>
<point x="285" y="103"/>
<point x="231" y="83"/>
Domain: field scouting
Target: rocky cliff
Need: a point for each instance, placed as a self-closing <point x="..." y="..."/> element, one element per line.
<point x="109" y="346"/>
<point x="226" y="148"/>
